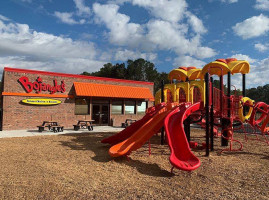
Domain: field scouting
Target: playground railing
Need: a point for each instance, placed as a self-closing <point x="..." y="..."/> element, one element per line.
<point x="221" y="103"/>
<point x="216" y="102"/>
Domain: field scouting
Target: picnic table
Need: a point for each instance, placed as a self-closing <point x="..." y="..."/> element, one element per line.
<point x="52" y="126"/>
<point x="128" y="122"/>
<point x="84" y="124"/>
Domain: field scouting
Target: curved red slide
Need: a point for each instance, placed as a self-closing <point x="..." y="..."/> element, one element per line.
<point x="181" y="156"/>
<point x="130" y="130"/>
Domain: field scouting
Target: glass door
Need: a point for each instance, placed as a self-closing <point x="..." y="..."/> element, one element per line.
<point x="104" y="114"/>
<point x="100" y="114"/>
<point x="96" y="114"/>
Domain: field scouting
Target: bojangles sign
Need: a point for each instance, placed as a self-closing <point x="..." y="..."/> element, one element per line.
<point x="39" y="86"/>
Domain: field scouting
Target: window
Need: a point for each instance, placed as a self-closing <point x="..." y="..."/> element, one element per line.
<point x="117" y="107"/>
<point x="141" y="107"/>
<point x="81" y="107"/>
<point x="129" y="107"/>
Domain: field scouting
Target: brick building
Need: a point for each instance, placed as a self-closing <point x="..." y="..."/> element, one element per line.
<point x="26" y="93"/>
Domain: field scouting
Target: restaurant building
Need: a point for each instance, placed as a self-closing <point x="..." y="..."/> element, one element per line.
<point x="30" y="97"/>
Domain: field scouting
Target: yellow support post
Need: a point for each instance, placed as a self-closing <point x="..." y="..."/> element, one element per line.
<point x="186" y="87"/>
<point x="201" y="85"/>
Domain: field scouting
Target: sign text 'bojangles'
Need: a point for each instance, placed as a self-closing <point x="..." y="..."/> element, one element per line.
<point x="39" y="86"/>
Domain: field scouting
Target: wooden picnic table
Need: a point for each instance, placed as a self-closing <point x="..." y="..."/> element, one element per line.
<point x="49" y="123"/>
<point x="84" y="124"/>
<point x="52" y="125"/>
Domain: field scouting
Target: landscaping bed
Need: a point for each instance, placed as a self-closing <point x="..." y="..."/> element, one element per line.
<point x="78" y="166"/>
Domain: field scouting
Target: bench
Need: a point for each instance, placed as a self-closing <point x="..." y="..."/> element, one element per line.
<point x="77" y="127"/>
<point x="49" y="124"/>
<point x="127" y="123"/>
<point x="57" y="128"/>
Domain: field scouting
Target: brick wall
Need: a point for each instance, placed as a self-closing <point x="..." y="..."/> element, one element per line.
<point x="17" y="115"/>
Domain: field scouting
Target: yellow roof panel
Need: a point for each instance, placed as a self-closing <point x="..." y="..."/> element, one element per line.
<point x="239" y="66"/>
<point x="178" y="74"/>
<point x="215" y="68"/>
<point x="194" y="74"/>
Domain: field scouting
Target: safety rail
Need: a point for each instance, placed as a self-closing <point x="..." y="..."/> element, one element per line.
<point x="235" y="103"/>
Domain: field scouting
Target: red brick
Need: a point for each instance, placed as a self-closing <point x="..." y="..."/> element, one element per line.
<point x="17" y="115"/>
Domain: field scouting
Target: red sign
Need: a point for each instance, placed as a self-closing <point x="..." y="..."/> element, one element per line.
<point x="38" y="86"/>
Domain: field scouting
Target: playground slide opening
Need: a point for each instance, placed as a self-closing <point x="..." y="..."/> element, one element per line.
<point x="181" y="156"/>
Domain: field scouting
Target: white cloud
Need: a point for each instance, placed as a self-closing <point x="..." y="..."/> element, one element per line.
<point x="170" y="10"/>
<point x="67" y="18"/>
<point x="258" y="75"/>
<point x="119" y="2"/>
<point x="106" y="56"/>
<point x="196" y="23"/>
<point x="22" y="47"/>
<point x="3" y="18"/>
<point x="82" y="9"/>
<point x="168" y="36"/>
<point x="244" y="57"/>
<point x="252" y="27"/>
<point x="230" y="1"/>
<point x="67" y="65"/>
<point x="262" y="47"/>
<point x="225" y="1"/>
<point x="188" y="61"/>
<point x="122" y="32"/>
<point x="264" y="67"/>
<point x="156" y="34"/>
<point x="204" y="52"/>
<point x="262" y="5"/>
<point x="125" y="54"/>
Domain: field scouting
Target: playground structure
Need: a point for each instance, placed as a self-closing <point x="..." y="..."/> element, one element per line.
<point x="192" y="98"/>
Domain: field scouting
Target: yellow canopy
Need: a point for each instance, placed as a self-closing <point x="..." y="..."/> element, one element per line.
<point x="239" y="66"/>
<point x="178" y="74"/>
<point x="215" y="68"/>
<point x="194" y="74"/>
<point x="182" y="75"/>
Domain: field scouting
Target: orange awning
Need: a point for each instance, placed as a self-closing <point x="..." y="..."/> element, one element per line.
<point x="114" y="91"/>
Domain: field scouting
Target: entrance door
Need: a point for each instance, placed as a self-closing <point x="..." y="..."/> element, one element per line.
<point x="100" y="114"/>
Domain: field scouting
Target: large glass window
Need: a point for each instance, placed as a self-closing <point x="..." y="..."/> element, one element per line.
<point x="141" y="107"/>
<point x="81" y="107"/>
<point x="129" y="107"/>
<point x="117" y="107"/>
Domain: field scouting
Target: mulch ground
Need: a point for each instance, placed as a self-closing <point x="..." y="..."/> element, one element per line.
<point x="78" y="166"/>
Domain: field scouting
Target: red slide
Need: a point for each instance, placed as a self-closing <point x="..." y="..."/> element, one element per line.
<point x="130" y="130"/>
<point x="181" y="156"/>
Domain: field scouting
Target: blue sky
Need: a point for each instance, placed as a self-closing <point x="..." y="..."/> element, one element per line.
<point x="73" y="36"/>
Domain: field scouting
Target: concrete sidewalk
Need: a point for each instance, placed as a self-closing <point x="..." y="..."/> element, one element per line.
<point x="28" y="133"/>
